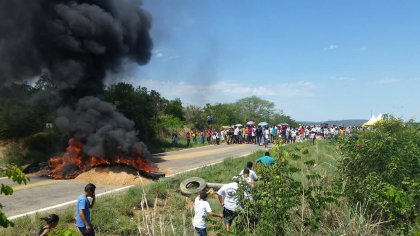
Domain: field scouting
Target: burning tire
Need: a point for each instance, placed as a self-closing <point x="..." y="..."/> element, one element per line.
<point x="192" y="185"/>
<point x="35" y="167"/>
<point x="152" y="175"/>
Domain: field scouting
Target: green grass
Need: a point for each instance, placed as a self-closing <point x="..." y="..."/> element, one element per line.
<point x="324" y="154"/>
<point x="167" y="212"/>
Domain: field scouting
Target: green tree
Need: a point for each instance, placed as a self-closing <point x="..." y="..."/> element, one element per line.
<point x="254" y="108"/>
<point x="24" y="110"/>
<point x="139" y="105"/>
<point x="195" y="116"/>
<point x="223" y="113"/>
<point x="278" y="118"/>
<point x="174" y="108"/>
<point x="14" y="173"/>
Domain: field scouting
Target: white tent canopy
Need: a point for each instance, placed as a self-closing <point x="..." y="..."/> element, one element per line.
<point x="373" y="120"/>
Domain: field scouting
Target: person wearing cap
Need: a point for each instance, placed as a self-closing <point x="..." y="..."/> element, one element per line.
<point x="201" y="210"/>
<point x="266" y="159"/>
<point x="229" y="201"/>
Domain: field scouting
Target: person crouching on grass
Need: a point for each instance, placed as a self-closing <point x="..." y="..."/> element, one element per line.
<point x="201" y="209"/>
<point x="83" y="210"/>
<point x="52" y="222"/>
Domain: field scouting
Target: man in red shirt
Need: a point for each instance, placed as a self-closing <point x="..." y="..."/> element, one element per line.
<point x="188" y="137"/>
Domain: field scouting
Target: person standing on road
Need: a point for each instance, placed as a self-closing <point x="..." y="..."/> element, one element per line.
<point x="229" y="201"/>
<point x="273" y="133"/>
<point x="266" y="137"/>
<point x="194" y="136"/>
<point x="201" y="210"/>
<point x="188" y="137"/>
<point x="202" y="139"/>
<point x="83" y="206"/>
<point x="259" y="135"/>
<point x="312" y="137"/>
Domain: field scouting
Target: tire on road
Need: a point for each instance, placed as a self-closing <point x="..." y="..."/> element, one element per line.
<point x="151" y="175"/>
<point x="192" y="185"/>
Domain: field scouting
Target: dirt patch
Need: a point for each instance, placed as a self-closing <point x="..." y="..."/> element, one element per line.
<point x="112" y="175"/>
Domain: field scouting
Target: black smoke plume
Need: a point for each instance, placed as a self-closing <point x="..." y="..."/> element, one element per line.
<point x="76" y="42"/>
<point x="103" y="131"/>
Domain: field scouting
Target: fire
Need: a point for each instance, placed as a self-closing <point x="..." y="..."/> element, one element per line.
<point x="74" y="161"/>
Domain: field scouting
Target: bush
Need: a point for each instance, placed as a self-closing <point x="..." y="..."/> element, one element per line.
<point x="63" y="231"/>
<point x="42" y="146"/>
<point x="14" y="155"/>
<point x="36" y="148"/>
<point x="382" y="166"/>
<point x="281" y="204"/>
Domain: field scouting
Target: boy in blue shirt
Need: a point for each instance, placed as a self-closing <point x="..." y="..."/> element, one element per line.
<point x="266" y="159"/>
<point x="83" y="210"/>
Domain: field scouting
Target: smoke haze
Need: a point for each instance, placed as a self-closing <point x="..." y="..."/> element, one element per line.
<point x="76" y="41"/>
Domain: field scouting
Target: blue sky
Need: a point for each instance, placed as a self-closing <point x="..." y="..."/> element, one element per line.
<point x="317" y="60"/>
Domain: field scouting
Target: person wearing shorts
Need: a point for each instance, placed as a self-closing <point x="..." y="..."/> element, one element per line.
<point x="229" y="201"/>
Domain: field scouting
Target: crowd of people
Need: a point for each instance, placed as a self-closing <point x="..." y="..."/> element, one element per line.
<point x="227" y="196"/>
<point x="262" y="135"/>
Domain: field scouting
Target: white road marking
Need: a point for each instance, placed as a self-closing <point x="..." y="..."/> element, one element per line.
<point x="66" y="203"/>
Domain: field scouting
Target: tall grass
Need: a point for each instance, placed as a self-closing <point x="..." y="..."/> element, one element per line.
<point x="159" y="208"/>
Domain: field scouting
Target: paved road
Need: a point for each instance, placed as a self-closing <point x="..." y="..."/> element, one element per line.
<point x="41" y="193"/>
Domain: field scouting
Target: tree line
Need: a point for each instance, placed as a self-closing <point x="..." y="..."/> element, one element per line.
<point x="26" y="108"/>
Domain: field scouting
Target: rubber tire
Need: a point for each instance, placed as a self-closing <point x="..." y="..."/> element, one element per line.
<point x="202" y="184"/>
<point x="34" y="167"/>
<point x="152" y="175"/>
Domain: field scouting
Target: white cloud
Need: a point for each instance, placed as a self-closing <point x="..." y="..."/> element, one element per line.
<point x="164" y="54"/>
<point x="226" y="91"/>
<point x="331" y="47"/>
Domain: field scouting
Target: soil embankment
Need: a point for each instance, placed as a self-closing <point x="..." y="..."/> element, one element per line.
<point x="113" y="175"/>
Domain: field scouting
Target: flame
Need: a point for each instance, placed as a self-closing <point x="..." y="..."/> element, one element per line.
<point x="74" y="161"/>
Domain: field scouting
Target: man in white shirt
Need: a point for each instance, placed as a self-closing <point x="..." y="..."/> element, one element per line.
<point x="235" y="135"/>
<point x="252" y="173"/>
<point x="229" y="201"/>
<point x="201" y="210"/>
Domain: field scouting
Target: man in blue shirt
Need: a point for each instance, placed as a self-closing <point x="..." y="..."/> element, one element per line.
<point x="266" y="159"/>
<point x="83" y="210"/>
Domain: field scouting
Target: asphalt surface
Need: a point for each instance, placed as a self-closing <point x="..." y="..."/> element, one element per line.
<point x="42" y="193"/>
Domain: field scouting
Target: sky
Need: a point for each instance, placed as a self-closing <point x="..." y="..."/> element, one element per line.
<point x="316" y="60"/>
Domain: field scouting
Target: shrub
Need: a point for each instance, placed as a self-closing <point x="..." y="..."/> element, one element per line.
<point x="63" y="231"/>
<point x="42" y="146"/>
<point x="14" y="155"/>
<point x="382" y="166"/>
<point x="281" y="204"/>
